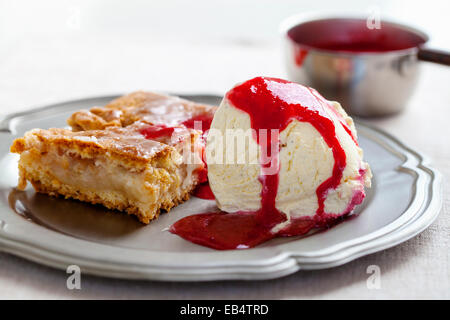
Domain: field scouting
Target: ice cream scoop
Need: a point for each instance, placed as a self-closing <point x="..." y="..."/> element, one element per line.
<point x="312" y="150"/>
<point x="281" y="160"/>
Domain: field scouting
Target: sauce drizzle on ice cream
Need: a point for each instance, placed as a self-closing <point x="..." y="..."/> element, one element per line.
<point x="271" y="104"/>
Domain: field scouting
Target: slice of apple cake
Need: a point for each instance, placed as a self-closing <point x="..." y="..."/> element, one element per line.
<point x="140" y="169"/>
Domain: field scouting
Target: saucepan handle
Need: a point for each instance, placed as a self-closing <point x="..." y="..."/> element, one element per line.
<point x="433" y="55"/>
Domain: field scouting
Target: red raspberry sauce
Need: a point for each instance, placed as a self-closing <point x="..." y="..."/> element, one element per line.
<point x="157" y="131"/>
<point x="203" y="190"/>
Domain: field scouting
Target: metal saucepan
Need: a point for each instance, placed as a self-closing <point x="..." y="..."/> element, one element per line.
<point x="371" y="71"/>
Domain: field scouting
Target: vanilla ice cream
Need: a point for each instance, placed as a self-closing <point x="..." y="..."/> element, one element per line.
<point x="316" y="144"/>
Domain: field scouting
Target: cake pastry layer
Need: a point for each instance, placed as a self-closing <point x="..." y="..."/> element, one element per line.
<point x="154" y="108"/>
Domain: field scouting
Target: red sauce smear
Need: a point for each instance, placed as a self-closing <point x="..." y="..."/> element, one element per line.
<point x="205" y="119"/>
<point x="203" y="190"/>
<point x="300" y="55"/>
<point x="344" y="124"/>
<point x="160" y="130"/>
<point x="271" y="104"/>
<point x="157" y="131"/>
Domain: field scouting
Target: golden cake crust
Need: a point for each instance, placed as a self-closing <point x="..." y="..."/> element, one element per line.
<point x="123" y="143"/>
<point x="145" y="106"/>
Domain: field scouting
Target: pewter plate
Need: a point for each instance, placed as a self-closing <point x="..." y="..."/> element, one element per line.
<point x="404" y="200"/>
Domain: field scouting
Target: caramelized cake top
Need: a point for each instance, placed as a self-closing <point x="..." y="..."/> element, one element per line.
<point x="153" y="108"/>
<point x="129" y="142"/>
